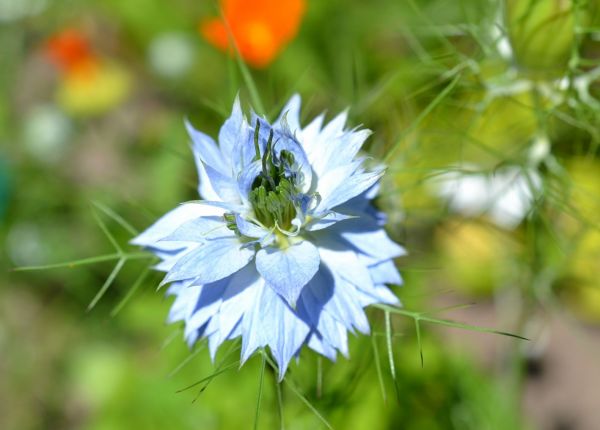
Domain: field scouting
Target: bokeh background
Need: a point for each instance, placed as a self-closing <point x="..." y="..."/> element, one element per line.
<point x="487" y="113"/>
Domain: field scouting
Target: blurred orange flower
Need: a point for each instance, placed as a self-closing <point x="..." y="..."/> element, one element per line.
<point x="260" y="28"/>
<point x="71" y="52"/>
<point x="90" y="84"/>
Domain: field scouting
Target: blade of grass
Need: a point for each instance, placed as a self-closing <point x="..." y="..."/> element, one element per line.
<point x="69" y="264"/>
<point x="186" y="360"/>
<point x="260" y="389"/>
<point x="106" y="232"/>
<point x="436" y="101"/>
<point x="418" y="328"/>
<point x="302" y="398"/>
<point x="378" y="369"/>
<point x="209" y="377"/>
<point x="448" y="323"/>
<point x="279" y="404"/>
<point x="116" y="217"/>
<point x="140" y="279"/>
<point x="107" y="284"/>
<point x="388" y="343"/>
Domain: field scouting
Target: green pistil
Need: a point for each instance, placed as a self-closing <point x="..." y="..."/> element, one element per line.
<point x="272" y="195"/>
<point x="274" y="206"/>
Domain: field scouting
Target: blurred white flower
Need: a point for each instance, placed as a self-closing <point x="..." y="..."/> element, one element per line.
<point x="46" y="132"/>
<point x="12" y="10"/>
<point x="24" y="245"/>
<point x="171" y="54"/>
<point x="505" y="195"/>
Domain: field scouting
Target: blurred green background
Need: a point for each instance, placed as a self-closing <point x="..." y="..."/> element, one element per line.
<point x="486" y="112"/>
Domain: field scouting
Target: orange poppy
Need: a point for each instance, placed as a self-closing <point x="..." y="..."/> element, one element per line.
<point x="71" y="52"/>
<point x="90" y="84"/>
<point x="260" y="28"/>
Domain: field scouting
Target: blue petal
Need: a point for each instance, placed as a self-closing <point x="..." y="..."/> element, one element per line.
<point x="271" y="322"/>
<point x="250" y="229"/>
<point x="238" y="298"/>
<point x="234" y="130"/>
<point x="224" y="186"/>
<point x="385" y="273"/>
<point x="246" y="178"/>
<point x="212" y="261"/>
<point x="372" y="241"/>
<point x="183" y="305"/>
<point x="205" y="149"/>
<point x="327" y="221"/>
<point x="199" y="230"/>
<point x="290" y="115"/>
<point x="319" y="345"/>
<point x="288" y="270"/>
<point x="339" y="149"/>
<point x="352" y="187"/>
<point x="168" y="223"/>
<point x="345" y="264"/>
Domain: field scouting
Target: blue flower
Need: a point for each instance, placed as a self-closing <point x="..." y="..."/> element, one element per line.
<point x="286" y="249"/>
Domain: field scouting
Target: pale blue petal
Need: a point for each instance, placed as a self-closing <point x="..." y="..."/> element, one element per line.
<point x="320" y="346"/>
<point x="309" y="135"/>
<point x="372" y="241"/>
<point x="286" y="332"/>
<point x="290" y="114"/>
<point x="339" y="150"/>
<point x="385" y="273"/>
<point x="352" y="187"/>
<point x="334" y="178"/>
<point x="205" y="188"/>
<point x="183" y="304"/>
<point x="346" y="264"/>
<point x="254" y="327"/>
<point x="288" y="270"/>
<point x="238" y="298"/>
<point x="206" y="305"/>
<point x="205" y="149"/>
<point x="170" y="222"/>
<point x="249" y="229"/>
<point x="199" y="230"/>
<point x="223" y="185"/>
<point x="246" y="178"/>
<point x="327" y="221"/>
<point x="233" y="129"/>
<point x="212" y="261"/>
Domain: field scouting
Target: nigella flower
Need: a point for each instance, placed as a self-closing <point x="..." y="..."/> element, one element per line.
<point x="286" y="249"/>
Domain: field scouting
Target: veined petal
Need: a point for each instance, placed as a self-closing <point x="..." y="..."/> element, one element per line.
<point x="366" y="236"/>
<point x="239" y="296"/>
<point x="249" y="229"/>
<point x="352" y="187"/>
<point x="211" y="261"/>
<point x="171" y="222"/>
<point x="272" y="322"/>
<point x="205" y="149"/>
<point x="385" y="273"/>
<point x="224" y="186"/>
<point x="205" y="187"/>
<point x="290" y="114"/>
<point x="246" y="179"/>
<point x="288" y="270"/>
<point x="233" y="130"/>
<point x="199" y="230"/>
<point x="327" y="221"/>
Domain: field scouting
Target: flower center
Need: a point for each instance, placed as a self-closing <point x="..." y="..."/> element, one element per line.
<point x="274" y="190"/>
